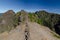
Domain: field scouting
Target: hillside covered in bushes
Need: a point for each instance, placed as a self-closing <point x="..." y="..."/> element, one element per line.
<point x="9" y="20"/>
<point x="51" y="20"/>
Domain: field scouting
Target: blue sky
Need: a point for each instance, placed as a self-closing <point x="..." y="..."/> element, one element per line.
<point x="30" y="5"/>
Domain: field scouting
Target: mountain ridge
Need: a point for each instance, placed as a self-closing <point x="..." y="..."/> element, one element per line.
<point x="29" y="26"/>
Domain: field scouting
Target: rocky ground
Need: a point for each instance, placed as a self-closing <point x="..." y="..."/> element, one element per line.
<point x="28" y="31"/>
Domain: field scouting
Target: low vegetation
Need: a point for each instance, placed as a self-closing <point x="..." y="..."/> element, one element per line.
<point x="10" y="20"/>
<point x="47" y="19"/>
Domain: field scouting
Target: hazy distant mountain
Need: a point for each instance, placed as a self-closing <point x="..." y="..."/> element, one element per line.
<point x="1" y="14"/>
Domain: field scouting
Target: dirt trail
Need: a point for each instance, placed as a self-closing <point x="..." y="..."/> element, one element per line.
<point x="38" y="32"/>
<point x="28" y="31"/>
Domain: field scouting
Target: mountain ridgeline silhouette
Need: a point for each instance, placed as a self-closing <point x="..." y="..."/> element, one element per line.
<point x="9" y="20"/>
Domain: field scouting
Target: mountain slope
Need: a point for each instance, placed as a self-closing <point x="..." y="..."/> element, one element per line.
<point x="28" y="29"/>
<point x="34" y="30"/>
<point x="7" y="21"/>
<point x="38" y="32"/>
<point x="47" y="19"/>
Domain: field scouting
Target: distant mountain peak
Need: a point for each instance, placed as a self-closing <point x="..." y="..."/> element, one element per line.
<point x="23" y="12"/>
<point x="10" y="12"/>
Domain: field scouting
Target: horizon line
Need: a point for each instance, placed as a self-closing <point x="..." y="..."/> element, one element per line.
<point x="30" y="11"/>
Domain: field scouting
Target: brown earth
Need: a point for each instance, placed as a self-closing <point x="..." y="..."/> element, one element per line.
<point x="28" y="31"/>
<point x="33" y="31"/>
